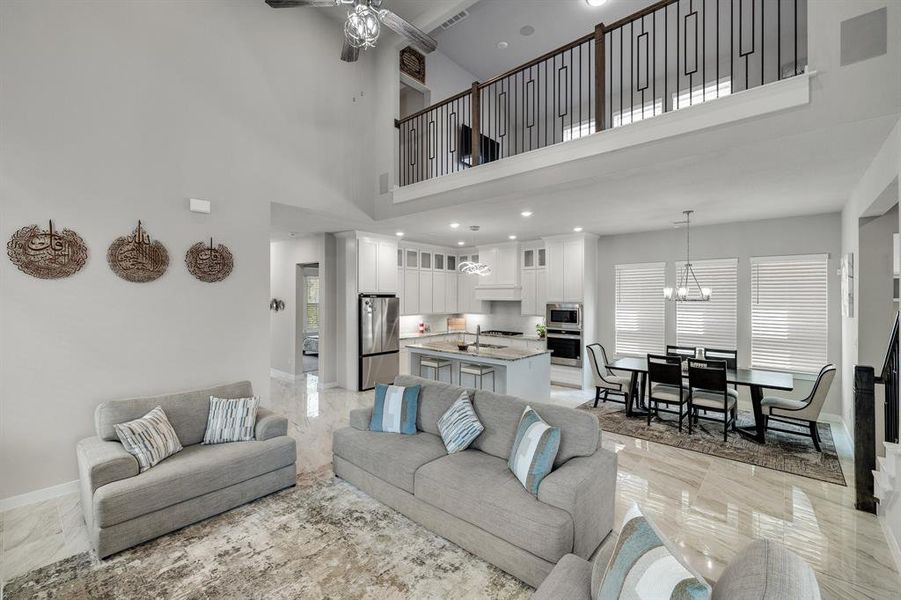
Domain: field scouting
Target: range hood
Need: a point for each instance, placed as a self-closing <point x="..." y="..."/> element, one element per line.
<point x="507" y="293"/>
<point x="503" y="283"/>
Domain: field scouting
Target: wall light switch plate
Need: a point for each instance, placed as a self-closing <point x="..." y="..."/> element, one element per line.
<point x="200" y="206"/>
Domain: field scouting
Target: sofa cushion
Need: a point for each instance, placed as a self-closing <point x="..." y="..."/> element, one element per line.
<point x="460" y="425"/>
<point x="195" y="471"/>
<point x="394" y="409"/>
<point x="392" y="457"/>
<point x="231" y="420"/>
<point x="434" y="400"/>
<point x="480" y="489"/>
<point x="579" y="432"/>
<point x="534" y="450"/>
<point x="187" y="411"/>
<point x="149" y="439"/>
<point x="767" y="570"/>
<point x="570" y="580"/>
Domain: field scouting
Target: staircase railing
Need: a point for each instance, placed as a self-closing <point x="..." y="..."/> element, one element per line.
<point x="865" y="381"/>
<point x="671" y="55"/>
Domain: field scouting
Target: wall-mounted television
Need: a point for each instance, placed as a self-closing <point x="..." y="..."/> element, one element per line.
<point x="489" y="149"/>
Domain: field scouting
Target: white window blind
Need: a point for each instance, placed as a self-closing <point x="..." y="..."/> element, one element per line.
<point x="312" y="301"/>
<point x="640" y="308"/>
<point x="710" y="324"/>
<point x="789" y="323"/>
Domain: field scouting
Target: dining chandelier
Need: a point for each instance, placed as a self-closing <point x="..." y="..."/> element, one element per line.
<point x="687" y="279"/>
<point x="471" y="267"/>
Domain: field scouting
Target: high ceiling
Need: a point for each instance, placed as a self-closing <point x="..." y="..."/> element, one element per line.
<point x="472" y="42"/>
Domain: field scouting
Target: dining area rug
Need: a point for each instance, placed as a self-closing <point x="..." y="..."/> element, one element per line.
<point x="782" y="452"/>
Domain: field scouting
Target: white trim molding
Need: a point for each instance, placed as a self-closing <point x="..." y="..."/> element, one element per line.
<point x="48" y="493"/>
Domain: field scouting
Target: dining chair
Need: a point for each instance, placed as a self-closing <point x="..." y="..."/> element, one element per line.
<point x="666" y="386"/>
<point x="800" y="412"/>
<point x="730" y="356"/>
<point x="710" y="392"/>
<point x="604" y="378"/>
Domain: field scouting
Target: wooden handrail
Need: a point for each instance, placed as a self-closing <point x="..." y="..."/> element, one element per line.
<point x="539" y="60"/>
<point x="641" y="13"/>
<point x="419" y="113"/>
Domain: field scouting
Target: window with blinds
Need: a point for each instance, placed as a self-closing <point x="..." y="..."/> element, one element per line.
<point x="640" y="308"/>
<point x="789" y="318"/>
<point x="710" y="324"/>
<point x="311" y="283"/>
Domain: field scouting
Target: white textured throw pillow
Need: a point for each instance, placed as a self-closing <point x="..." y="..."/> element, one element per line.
<point x="231" y="420"/>
<point x="149" y="439"/>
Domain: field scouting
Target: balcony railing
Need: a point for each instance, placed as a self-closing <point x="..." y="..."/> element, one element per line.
<point x="671" y="55"/>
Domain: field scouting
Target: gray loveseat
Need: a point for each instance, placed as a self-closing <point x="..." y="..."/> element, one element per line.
<point x="471" y="498"/>
<point x="123" y="507"/>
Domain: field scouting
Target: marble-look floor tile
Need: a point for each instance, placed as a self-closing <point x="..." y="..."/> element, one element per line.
<point x="30" y="523"/>
<point x="32" y="555"/>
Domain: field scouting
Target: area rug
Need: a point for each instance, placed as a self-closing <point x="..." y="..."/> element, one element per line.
<point x="782" y="452"/>
<point x="322" y="540"/>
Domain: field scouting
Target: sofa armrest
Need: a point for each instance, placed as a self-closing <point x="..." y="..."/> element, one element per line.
<point x="360" y="418"/>
<point x="269" y="425"/>
<point x="101" y="462"/>
<point x="585" y="487"/>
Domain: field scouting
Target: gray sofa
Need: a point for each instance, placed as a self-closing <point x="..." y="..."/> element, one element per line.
<point x="471" y="498"/>
<point x="123" y="507"/>
<point x="763" y="570"/>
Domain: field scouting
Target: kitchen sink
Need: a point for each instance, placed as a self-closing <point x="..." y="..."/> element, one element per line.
<point x="481" y="345"/>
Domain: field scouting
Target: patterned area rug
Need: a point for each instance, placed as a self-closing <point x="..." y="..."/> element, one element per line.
<point x="782" y="452"/>
<point x="320" y="540"/>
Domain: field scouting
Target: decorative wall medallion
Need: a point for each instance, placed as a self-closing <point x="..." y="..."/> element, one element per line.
<point x="47" y="253"/>
<point x="136" y="258"/>
<point x="209" y="263"/>
<point x="412" y="63"/>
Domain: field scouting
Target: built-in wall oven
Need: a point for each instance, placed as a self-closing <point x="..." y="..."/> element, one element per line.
<point x="565" y="347"/>
<point x="565" y="316"/>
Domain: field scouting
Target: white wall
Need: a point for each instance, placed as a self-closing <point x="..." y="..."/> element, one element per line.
<point x="800" y="235"/>
<point x="119" y="111"/>
<point x="284" y="256"/>
<point x="444" y="77"/>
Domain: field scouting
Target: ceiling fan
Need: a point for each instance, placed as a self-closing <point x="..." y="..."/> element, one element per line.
<point x="363" y="25"/>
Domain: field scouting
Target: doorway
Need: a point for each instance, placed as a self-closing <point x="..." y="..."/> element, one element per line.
<point x="412" y="99"/>
<point x="308" y="316"/>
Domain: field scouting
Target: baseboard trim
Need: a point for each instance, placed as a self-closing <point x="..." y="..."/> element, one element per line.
<point x="54" y="491"/>
<point x="283" y="375"/>
<point x="328" y="386"/>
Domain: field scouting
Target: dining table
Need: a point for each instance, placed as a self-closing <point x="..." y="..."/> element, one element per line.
<point x="755" y="379"/>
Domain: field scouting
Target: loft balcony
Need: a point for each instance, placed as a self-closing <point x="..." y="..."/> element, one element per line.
<point x="672" y="56"/>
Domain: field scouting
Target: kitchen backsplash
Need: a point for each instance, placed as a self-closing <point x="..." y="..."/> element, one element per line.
<point x="504" y="315"/>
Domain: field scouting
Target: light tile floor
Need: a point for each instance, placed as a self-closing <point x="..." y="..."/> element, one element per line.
<point x="709" y="507"/>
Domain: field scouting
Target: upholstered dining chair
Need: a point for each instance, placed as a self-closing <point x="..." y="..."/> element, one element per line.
<point x="604" y="379"/>
<point x="711" y="393"/>
<point x="800" y="412"/>
<point x="667" y="386"/>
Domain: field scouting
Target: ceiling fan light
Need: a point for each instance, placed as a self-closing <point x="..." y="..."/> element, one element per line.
<point x="362" y="27"/>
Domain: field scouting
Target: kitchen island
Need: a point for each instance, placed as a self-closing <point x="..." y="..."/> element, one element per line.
<point x="518" y="372"/>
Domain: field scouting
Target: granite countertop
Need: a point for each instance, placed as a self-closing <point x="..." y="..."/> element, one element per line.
<point x="416" y="335"/>
<point x="505" y="353"/>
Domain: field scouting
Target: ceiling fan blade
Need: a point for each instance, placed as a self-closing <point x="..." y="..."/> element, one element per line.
<point x="422" y="40"/>
<point x="349" y="53"/>
<point x="293" y="3"/>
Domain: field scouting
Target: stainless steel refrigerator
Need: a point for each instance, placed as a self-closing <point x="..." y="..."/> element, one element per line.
<point x="379" y="320"/>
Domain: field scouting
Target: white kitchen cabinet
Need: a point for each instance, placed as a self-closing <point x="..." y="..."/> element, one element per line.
<point x="529" y="292"/>
<point x="439" y="290"/>
<point x="573" y="267"/>
<point x="411" y="292"/>
<point x="425" y="292"/>
<point x="376" y="266"/>
<point x="451" y="302"/>
<point x="401" y="301"/>
<point x="541" y="292"/>
<point x="555" y="271"/>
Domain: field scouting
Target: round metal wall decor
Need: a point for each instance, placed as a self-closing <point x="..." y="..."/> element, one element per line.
<point x="136" y="258"/>
<point x="209" y="263"/>
<point x="47" y="253"/>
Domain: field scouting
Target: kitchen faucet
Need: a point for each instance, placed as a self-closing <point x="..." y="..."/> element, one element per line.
<point x="478" y="333"/>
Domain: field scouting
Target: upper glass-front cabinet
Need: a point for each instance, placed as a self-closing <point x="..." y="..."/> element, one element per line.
<point x="451" y="263"/>
<point x="412" y="259"/>
<point x="400" y="257"/>
<point x="542" y="257"/>
<point x="425" y="260"/>
<point x="528" y="259"/>
<point x="439" y="262"/>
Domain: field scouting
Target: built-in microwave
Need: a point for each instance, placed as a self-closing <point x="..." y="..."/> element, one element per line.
<point x="564" y="316"/>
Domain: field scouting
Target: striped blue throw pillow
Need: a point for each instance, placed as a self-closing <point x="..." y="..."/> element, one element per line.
<point x="534" y="450"/>
<point x="394" y="410"/>
<point x="644" y="566"/>
<point x="460" y="425"/>
<point x="231" y="420"/>
<point x="149" y="439"/>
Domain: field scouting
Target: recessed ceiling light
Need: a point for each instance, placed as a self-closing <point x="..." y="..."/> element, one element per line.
<point x="577" y="229"/>
<point x="399" y="234"/>
<point x="512" y="237"/>
<point x="526" y="213"/>
<point x="502" y="45"/>
<point x="454" y="225"/>
<point x="595" y="2"/>
<point x="526" y="30"/>
<point x="460" y="243"/>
